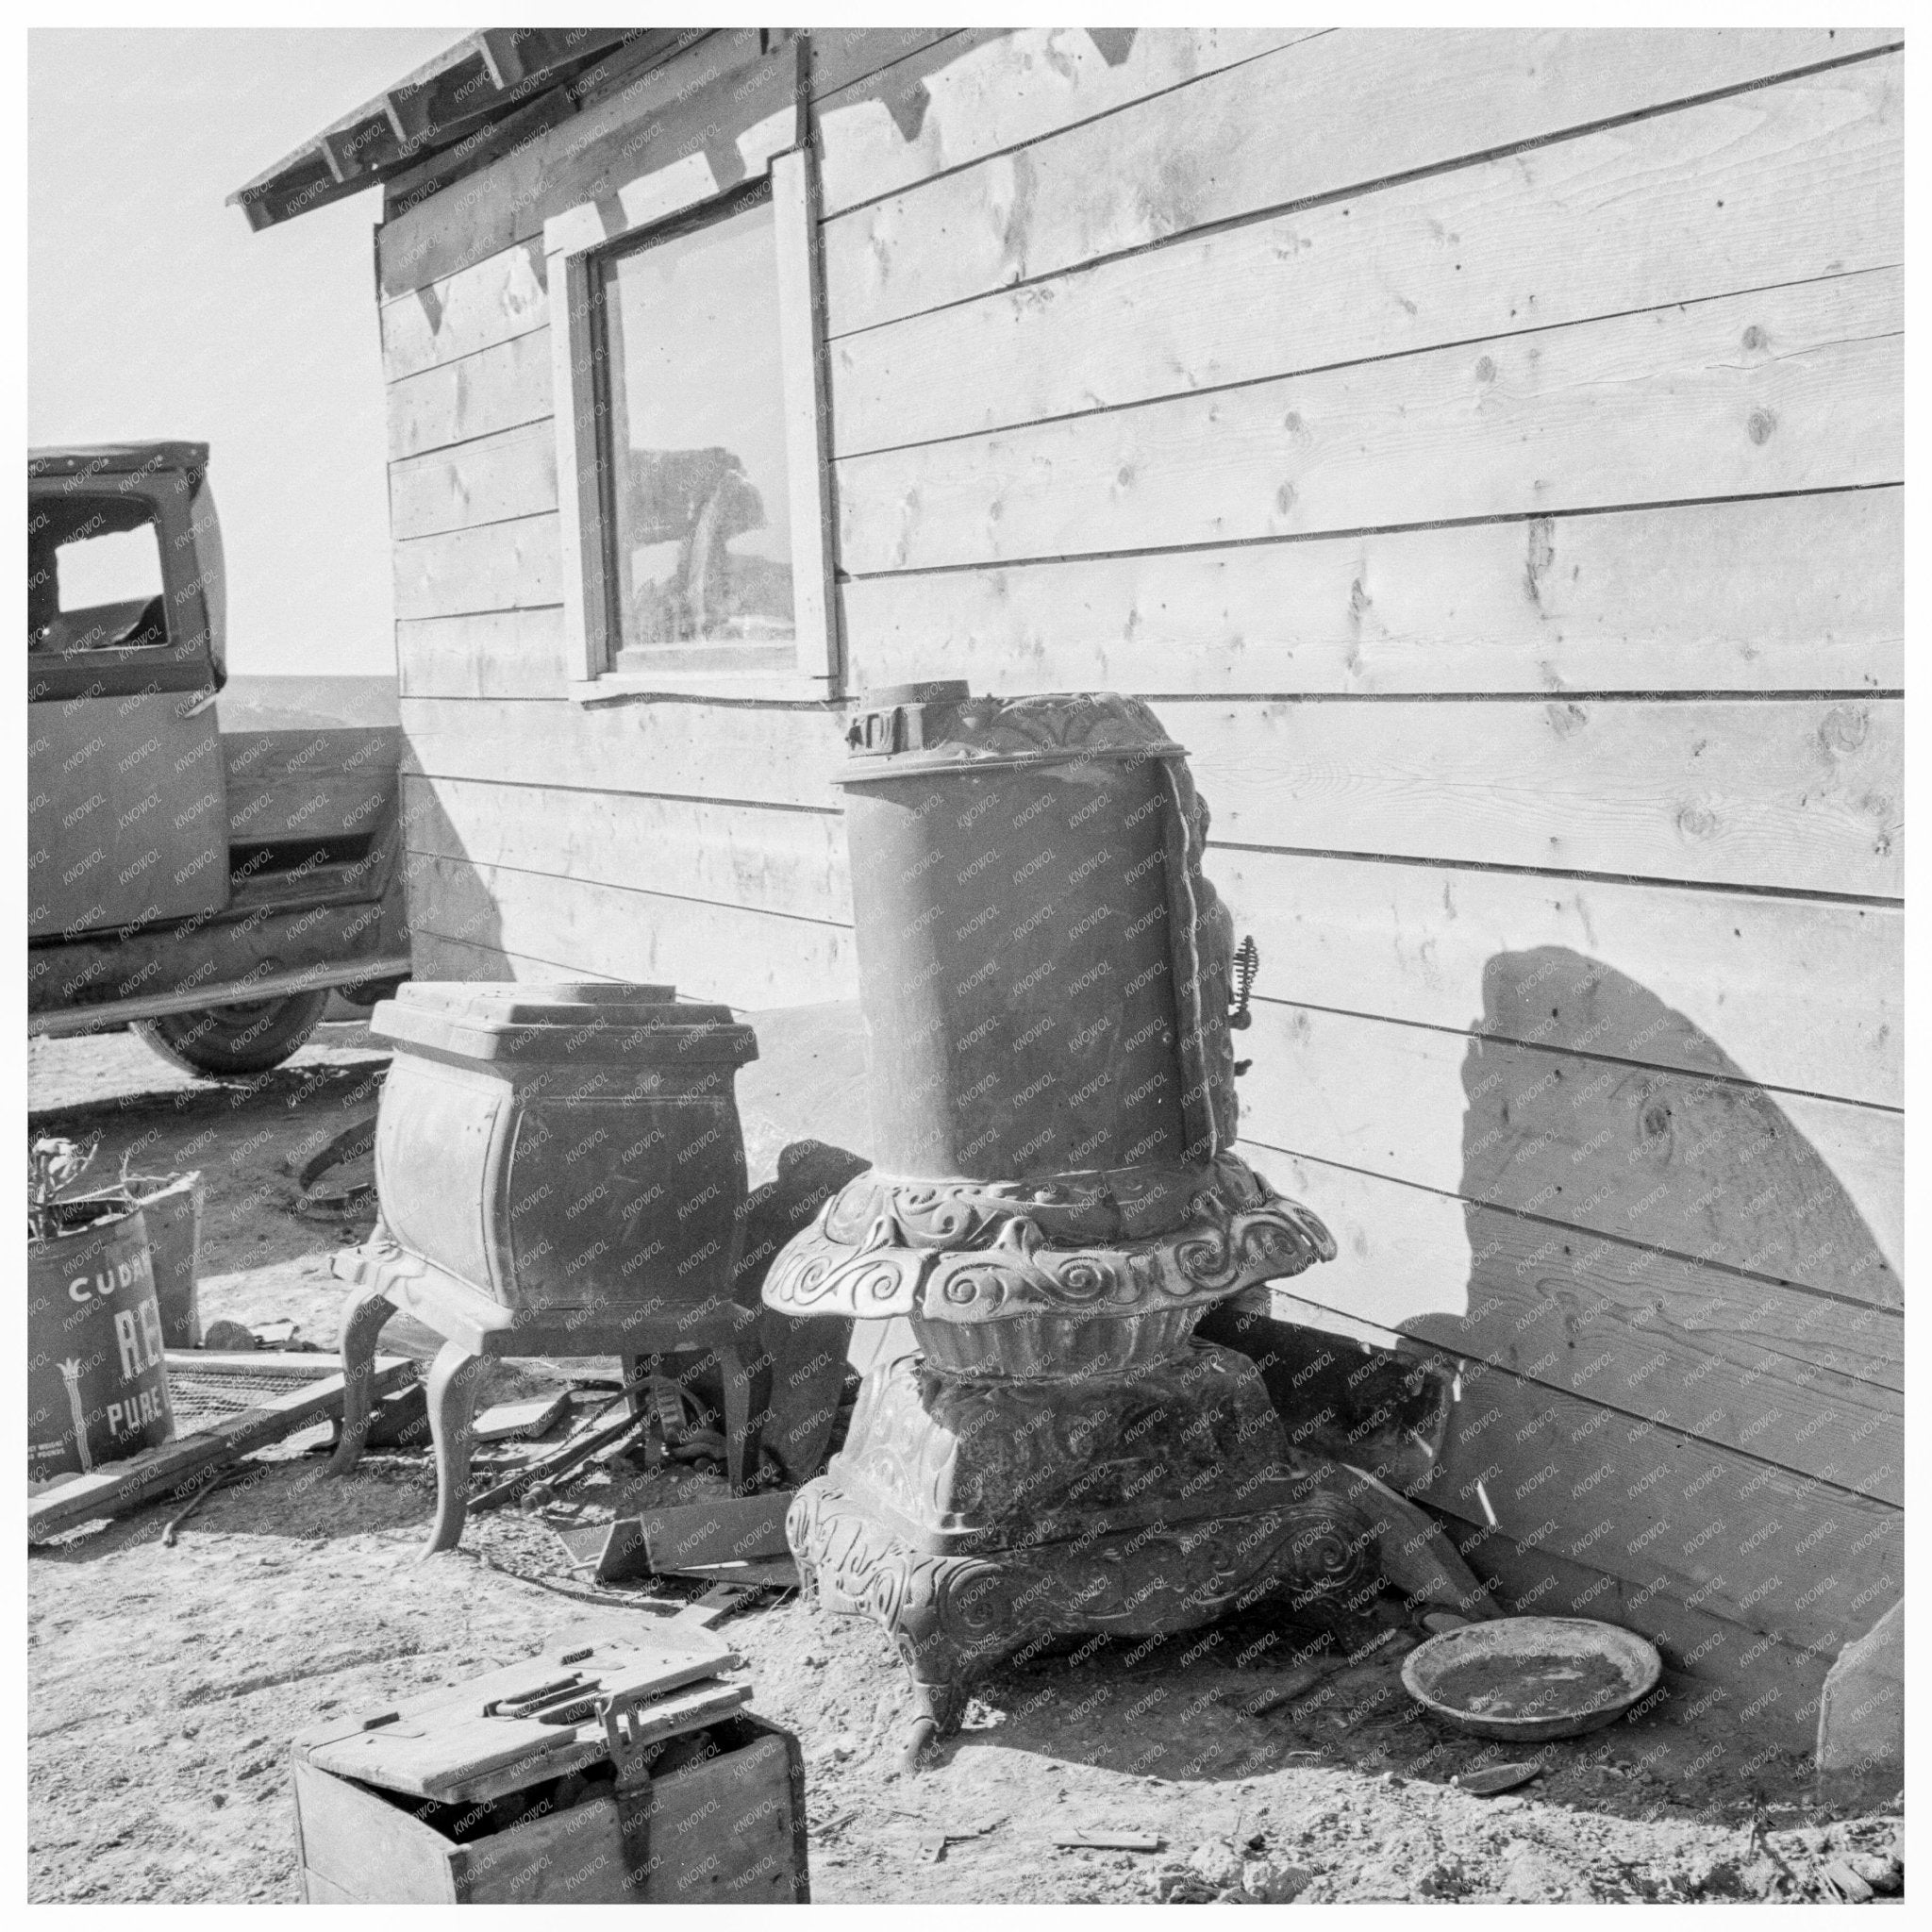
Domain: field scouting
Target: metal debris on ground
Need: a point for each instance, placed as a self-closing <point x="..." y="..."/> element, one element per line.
<point x="221" y="1479"/>
<point x="355" y="1141"/>
<point x="765" y="1572"/>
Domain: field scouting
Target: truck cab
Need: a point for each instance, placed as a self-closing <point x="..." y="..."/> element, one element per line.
<point x="207" y="886"/>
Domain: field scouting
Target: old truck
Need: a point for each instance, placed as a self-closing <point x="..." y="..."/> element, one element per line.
<point x="203" y="867"/>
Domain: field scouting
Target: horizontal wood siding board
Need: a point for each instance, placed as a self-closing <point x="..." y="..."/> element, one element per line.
<point x="699" y="102"/>
<point x="433" y="956"/>
<point x="1701" y="981"/>
<point x="790" y="862"/>
<point x="993" y="88"/>
<point x="496" y="478"/>
<point x="511" y="566"/>
<point x="709" y="952"/>
<point x="1781" y="1187"/>
<point x="775" y="755"/>
<point x="498" y="388"/>
<point x="1788" y="389"/>
<point x="495" y="300"/>
<point x="838" y="58"/>
<point x="1711" y="596"/>
<point x="1789" y="1377"/>
<point x="1278" y="131"/>
<point x="1798" y="795"/>
<point x="1787" y="184"/>
<point x="496" y="654"/>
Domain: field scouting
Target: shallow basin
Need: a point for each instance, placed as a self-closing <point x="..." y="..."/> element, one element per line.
<point x="1528" y="1678"/>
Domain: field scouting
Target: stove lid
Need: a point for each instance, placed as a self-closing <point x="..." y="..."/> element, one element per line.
<point x="527" y="1722"/>
<point x="553" y="1021"/>
<point x="899" y="731"/>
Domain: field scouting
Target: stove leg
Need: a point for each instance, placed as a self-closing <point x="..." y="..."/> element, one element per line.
<point x="938" y="1708"/>
<point x="741" y="1439"/>
<point x="363" y="1315"/>
<point x="452" y="1410"/>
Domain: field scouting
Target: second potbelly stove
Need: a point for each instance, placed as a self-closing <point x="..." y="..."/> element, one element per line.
<point x="1044" y="975"/>
<point x="561" y="1172"/>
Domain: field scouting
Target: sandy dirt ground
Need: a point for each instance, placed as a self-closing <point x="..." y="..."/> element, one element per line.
<point x="166" y="1683"/>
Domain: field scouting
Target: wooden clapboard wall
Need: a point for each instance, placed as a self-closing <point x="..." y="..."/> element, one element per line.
<point x="1486" y="448"/>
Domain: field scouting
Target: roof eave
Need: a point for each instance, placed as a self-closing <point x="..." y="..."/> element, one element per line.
<point x="480" y="79"/>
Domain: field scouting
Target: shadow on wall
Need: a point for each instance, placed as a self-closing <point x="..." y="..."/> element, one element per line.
<point x="1785" y="1346"/>
<point x="456" y="929"/>
<point x="1701" y="1163"/>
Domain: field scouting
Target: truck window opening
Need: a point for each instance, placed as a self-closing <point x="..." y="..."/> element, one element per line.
<point x="94" y="576"/>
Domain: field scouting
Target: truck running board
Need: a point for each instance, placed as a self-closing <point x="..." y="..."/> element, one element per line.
<point x="88" y="1019"/>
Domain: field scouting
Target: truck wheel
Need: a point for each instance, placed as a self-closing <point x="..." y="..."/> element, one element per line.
<point x="365" y="993"/>
<point x="247" y="1038"/>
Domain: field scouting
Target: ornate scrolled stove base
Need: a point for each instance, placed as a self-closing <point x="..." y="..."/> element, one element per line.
<point x="973" y="1519"/>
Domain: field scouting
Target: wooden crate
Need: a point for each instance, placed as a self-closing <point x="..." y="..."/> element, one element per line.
<point x="728" y="1830"/>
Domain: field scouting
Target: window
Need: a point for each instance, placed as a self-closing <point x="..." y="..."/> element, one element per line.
<point x="699" y="526"/>
<point x="692" y="475"/>
<point x="94" y="576"/>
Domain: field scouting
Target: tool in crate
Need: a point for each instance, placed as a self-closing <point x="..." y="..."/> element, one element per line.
<point x="611" y="1772"/>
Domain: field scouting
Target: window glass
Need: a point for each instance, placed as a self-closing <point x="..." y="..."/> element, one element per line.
<point x="700" y="511"/>
<point x="95" y="579"/>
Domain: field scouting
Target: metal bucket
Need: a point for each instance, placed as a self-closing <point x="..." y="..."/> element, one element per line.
<point x="173" y="1213"/>
<point x="97" y="1384"/>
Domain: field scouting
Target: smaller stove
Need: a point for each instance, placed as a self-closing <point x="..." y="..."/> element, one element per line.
<point x="561" y="1172"/>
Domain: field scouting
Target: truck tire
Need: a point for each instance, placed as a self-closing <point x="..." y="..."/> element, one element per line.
<point x="365" y="993"/>
<point x="247" y="1038"/>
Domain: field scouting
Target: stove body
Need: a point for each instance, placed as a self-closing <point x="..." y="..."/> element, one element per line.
<point x="1044" y="974"/>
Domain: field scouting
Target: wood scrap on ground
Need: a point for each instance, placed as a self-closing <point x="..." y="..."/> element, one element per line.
<point x="1493" y="1778"/>
<point x="120" y="1487"/>
<point x="715" y="1605"/>
<point x="732" y="1529"/>
<point x="510" y="1421"/>
<point x="221" y="1479"/>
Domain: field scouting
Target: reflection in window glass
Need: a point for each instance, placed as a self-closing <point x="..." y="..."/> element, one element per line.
<point x="700" y="511"/>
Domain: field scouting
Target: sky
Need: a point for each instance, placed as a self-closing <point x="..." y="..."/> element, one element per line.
<point x="154" y="311"/>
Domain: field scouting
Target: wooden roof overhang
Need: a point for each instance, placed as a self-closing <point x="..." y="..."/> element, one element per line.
<point x="454" y="113"/>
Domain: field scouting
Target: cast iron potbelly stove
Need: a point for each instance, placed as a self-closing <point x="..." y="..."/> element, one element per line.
<point x="561" y="1172"/>
<point x="1044" y="974"/>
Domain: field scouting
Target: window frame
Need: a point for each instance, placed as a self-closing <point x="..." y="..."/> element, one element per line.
<point x="192" y="658"/>
<point x="578" y="245"/>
